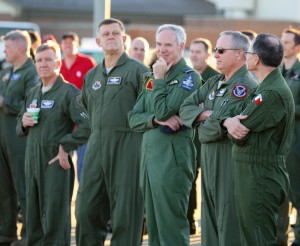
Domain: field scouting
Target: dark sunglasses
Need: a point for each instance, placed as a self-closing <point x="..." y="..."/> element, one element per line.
<point x="221" y="50"/>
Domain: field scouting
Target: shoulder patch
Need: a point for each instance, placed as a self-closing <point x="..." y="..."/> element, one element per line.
<point x="258" y="99"/>
<point x="96" y="85"/>
<point x="239" y="91"/>
<point x="187" y="83"/>
<point x="149" y="85"/>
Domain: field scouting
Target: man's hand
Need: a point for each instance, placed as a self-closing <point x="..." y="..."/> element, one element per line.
<point x="62" y="157"/>
<point x="235" y="128"/>
<point x="27" y="120"/>
<point x="174" y="122"/>
<point x="160" y="68"/>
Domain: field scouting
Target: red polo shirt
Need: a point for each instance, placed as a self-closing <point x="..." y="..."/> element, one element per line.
<point x="81" y="66"/>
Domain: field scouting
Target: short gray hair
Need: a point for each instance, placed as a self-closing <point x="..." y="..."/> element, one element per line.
<point x="179" y="30"/>
<point x="50" y="45"/>
<point x="239" y="40"/>
<point x="21" y="37"/>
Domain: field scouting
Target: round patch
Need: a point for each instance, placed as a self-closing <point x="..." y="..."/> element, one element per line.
<point x="239" y="91"/>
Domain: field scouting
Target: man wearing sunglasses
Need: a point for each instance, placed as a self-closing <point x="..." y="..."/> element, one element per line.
<point x="219" y="224"/>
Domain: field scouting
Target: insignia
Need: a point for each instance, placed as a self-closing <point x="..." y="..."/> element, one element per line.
<point x="149" y="85"/>
<point x="33" y="104"/>
<point x="174" y="82"/>
<point x="5" y="77"/>
<point x="114" y="81"/>
<point x="221" y="92"/>
<point x="16" y="76"/>
<point x="258" y="99"/>
<point x="239" y="91"/>
<point x="96" y="85"/>
<point x="211" y="96"/>
<point x="47" y="104"/>
<point x="84" y="115"/>
<point x="78" y="74"/>
<point x="188" y="83"/>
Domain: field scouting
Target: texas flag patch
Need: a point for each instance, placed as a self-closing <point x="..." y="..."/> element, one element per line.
<point x="258" y="99"/>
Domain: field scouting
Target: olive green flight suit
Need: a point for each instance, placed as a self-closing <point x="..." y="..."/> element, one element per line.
<point x="219" y="224"/>
<point x="292" y="77"/>
<point x="13" y="87"/>
<point x="259" y="171"/>
<point x="109" y="185"/>
<point x="50" y="187"/>
<point x="168" y="159"/>
<point x="206" y="74"/>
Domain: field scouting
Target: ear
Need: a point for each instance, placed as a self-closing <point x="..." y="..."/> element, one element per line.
<point x="98" y="42"/>
<point x="182" y="46"/>
<point x="298" y="48"/>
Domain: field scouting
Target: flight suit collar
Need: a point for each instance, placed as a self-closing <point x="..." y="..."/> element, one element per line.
<point x="293" y="72"/>
<point x="122" y="60"/>
<point x="237" y="75"/>
<point x="59" y="81"/>
<point x="28" y="63"/>
<point x="271" y="79"/>
<point x="173" y="73"/>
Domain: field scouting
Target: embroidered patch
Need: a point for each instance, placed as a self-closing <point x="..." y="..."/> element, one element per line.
<point x="96" y="85"/>
<point x="114" y="81"/>
<point x="16" y="76"/>
<point x="239" y="91"/>
<point x="149" y="85"/>
<point x="47" y="104"/>
<point x="174" y="82"/>
<point x="221" y="92"/>
<point x="211" y="96"/>
<point x="33" y="104"/>
<point x="258" y="99"/>
<point x="188" y="83"/>
<point x="5" y="77"/>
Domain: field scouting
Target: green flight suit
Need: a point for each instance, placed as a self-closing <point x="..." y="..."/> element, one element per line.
<point x="168" y="160"/>
<point x="49" y="188"/>
<point x="109" y="185"/>
<point x="13" y="87"/>
<point x="219" y="224"/>
<point x="206" y="74"/>
<point x="259" y="171"/>
<point x="292" y="77"/>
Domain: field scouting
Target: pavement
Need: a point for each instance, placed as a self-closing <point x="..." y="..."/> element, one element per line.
<point x="194" y="239"/>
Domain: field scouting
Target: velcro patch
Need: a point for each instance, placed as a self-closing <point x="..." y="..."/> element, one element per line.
<point x="239" y="91"/>
<point x="16" y="76"/>
<point x="114" y="81"/>
<point x="47" y="104"/>
<point x="188" y="83"/>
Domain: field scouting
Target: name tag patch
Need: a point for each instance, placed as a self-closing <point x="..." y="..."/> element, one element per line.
<point x="47" y="104"/>
<point x="16" y="76"/>
<point x="221" y="92"/>
<point x="114" y="81"/>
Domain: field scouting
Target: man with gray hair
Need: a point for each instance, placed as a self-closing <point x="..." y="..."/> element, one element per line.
<point x="15" y="82"/>
<point x="168" y="153"/>
<point x="139" y="49"/>
<point x="221" y="93"/>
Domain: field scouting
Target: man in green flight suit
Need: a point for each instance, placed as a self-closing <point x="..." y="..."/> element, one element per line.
<point x="168" y="153"/>
<point x="15" y="82"/>
<point x="200" y="51"/>
<point x="109" y="186"/>
<point x="290" y="70"/>
<point x="48" y="167"/>
<point x="219" y="224"/>
<point x="262" y="131"/>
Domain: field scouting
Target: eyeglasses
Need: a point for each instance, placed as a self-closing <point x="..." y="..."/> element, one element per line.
<point x="222" y="50"/>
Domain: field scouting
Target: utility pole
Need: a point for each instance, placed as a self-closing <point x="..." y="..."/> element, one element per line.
<point x="102" y="9"/>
